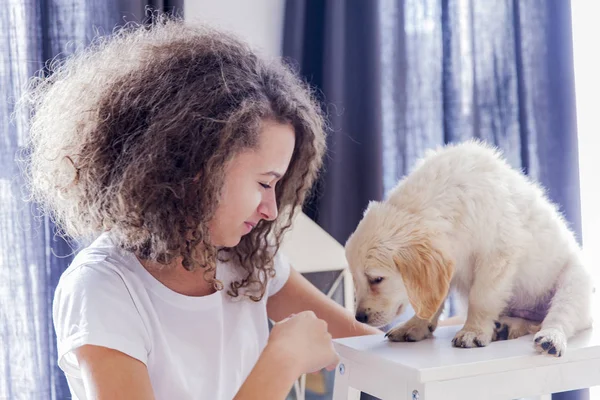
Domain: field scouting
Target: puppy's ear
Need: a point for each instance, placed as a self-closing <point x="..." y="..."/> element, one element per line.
<point x="427" y="274"/>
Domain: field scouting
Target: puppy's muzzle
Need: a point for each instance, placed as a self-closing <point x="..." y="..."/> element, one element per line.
<point x="362" y="316"/>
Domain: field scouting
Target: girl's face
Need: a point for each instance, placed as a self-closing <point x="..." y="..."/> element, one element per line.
<point x="248" y="193"/>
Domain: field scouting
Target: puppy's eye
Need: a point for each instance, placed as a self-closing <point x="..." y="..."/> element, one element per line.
<point x="375" y="281"/>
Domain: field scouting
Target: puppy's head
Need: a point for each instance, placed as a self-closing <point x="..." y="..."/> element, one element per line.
<point x="393" y="263"/>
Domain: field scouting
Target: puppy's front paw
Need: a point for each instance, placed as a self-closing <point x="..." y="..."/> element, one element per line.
<point x="550" y="341"/>
<point x="411" y="331"/>
<point x="468" y="338"/>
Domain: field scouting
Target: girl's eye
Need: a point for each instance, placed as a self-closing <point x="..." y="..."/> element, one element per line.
<point x="265" y="186"/>
<point x="375" y="281"/>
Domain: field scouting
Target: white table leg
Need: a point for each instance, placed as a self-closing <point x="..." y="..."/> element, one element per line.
<point x="340" y="385"/>
<point x="353" y="394"/>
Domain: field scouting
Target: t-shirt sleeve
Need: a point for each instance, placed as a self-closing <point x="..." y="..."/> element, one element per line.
<point x="282" y="273"/>
<point x="93" y="305"/>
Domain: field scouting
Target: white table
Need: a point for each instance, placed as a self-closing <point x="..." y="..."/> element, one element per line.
<point x="434" y="370"/>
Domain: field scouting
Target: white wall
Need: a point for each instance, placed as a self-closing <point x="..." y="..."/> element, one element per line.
<point x="260" y="22"/>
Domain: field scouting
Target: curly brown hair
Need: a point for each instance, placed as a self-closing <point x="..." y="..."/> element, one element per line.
<point x="132" y="135"/>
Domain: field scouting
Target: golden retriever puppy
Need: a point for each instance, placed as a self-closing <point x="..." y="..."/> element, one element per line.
<point x="464" y="219"/>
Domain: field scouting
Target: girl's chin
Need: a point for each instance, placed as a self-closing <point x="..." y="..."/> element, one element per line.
<point x="234" y="239"/>
<point x="225" y="242"/>
<point x="233" y="242"/>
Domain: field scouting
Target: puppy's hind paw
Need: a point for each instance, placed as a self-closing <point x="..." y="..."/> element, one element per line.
<point x="506" y="328"/>
<point x="550" y="341"/>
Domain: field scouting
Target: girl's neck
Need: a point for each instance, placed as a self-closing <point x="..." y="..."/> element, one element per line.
<point x="175" y="277"/>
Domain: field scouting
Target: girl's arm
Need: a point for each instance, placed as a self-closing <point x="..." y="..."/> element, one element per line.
<point x="297" y="345"/>
<point x="298" y="294"/>
<point x="271" y="378"/>
<point x="111" y="374"/>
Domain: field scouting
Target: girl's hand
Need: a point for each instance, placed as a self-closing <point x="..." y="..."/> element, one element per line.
<point x="305" y="341"/>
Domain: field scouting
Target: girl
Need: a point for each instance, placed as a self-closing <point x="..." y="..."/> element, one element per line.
<point x="184" y="156"/>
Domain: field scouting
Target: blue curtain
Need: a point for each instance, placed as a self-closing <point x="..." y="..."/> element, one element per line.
<point x="32" y="257"/>
<point x="399" y="77"/>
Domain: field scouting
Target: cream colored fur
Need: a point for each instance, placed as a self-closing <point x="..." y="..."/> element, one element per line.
<point x="465" y="219"/>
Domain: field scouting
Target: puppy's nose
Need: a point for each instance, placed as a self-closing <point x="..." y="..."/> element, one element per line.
<point x="362" y="316"/>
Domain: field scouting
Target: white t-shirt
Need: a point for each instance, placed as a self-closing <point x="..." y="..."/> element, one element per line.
<point x="194" y="347"/>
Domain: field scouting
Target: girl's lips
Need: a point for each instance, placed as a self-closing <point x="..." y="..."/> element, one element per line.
<point x="249" y="226"/>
